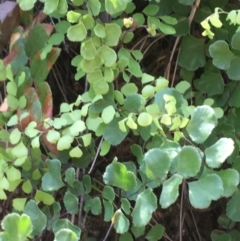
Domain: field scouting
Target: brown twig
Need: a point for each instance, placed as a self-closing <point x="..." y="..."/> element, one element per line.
<point x="191" y="16"/>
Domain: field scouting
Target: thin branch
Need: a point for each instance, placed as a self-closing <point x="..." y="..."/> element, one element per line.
<point x="95" y="158"/>
<point x="191" y="16"/>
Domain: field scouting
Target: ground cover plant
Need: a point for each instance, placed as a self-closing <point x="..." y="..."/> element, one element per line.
<point x="120" y="120"/>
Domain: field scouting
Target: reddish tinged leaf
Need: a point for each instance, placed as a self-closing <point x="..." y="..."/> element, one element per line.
<point x="40" y="68"/>
<point x="50" y="146"/>
<point x="48" y="28"/>
<point x="33" y="107"/>
<point x="36" y="40"/>
<point x="25" y="121"/>
<point x="9" y="19"/>
<point x="17" y="58"/>
<point x="45" y="97"/>
<point x="40" y="17"/>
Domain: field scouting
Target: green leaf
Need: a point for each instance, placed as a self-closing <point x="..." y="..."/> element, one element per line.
<point x="15" y="136"/>
<point x="65" y="142"/>
<point x="99" y="30"/>
<point x="26" y="5"/>
<point x="192" y="54"/>
<point x="207" y="81"/>
<point x="62" y="26"/>
<point x="108" y="114"/>
<point x="134" y="102"/>
<point x="88" y="50"/>
<point x="76" y="152"/>
<point x="113" y="32"/>
<point x="71" y="202"/>
<point x="126" y="205"/>
<point x="12" y="102"/>
<point x="138" y="231"/>
<point x="12" y="173"/>
<point x="189" y="162"/>
<point x="50" y="6"/>
<point x="204" y="190"/>
<point x="202" y="123"/>
<point x="12" y="88"/>
<point x="96" y="206"/>
<point x="53" y="136"/>
<point x="51" y="180"/>
<point x="151" y="9"/>
<point x="66" y="235"/>
<point x="44" y="197"/>
<point x="235" y="41"/>
<point x="156" y="163"/>
<point x="19" y="204"/>
<point x="144" y="119"/>
<point x="129" y="88"/>
<point x="77" y="33"/>
<point x="113" y="134"/>
<point x="219" y="152"/>
<point x="115" y="6"/>
<point x="233" y="211"/>
<point x="126" y="237"/>
<point x="38" y="218"/>
<point x="65" y="224"/>
<point x="221" y="54"/>
<point x="70" y="176"/>
<point x="155" y="233"/>
<point x="94" y="7"/>
<point x="16" y="227"/>
<point x="186" y="2"/>
<point x="108" y="193"/>
<point x="108" y="55"/>
<point x="230" y="179"/>
<point x="170" y="191"/>
<point x="146" y="204"/>
<point x="108" y="210"/>
<point x="117" y="175"/>
<point x="166" y="29"/>
<point x="20" y="150"/>
<point x="121" y="223"/>
<point x="233" y="72"/>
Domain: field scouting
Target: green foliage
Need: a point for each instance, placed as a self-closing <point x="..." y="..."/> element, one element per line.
<point x="154" y="136"/>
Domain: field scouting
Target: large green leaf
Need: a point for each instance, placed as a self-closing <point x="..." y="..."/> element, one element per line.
<point x="218" y="152"/>
<point x="63" y="224"/>
<point x="117" y="175"/>
<point x="221" y="54"/>
<point x="159" y="98"/>
<point x="170" y="191"/>
<point x="146" y="204"/>
<point x="188" y="162"/>
<point x="233" y="72"/>
<point x="113" y="33"/>
<point x="121" y="223"/>
<point x="201" y="124"/>
<point x="204" y="190"/>
<point x="38" y="218"/>
<point x="16" y="227"/>
<point x="66" y="235"/>
<point x="71" y="202"/>
<point x="192" y="55"/>
<point x="233" y="210"/>
<point x="113" y="134"/>
<point x="156" y="163"/>
<point x="115" y="6"/>
<point x="230" y="179"/>
<point x="210" y="83"/>
<point x="155" y="233"/>
<point x="51" y="180"/>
